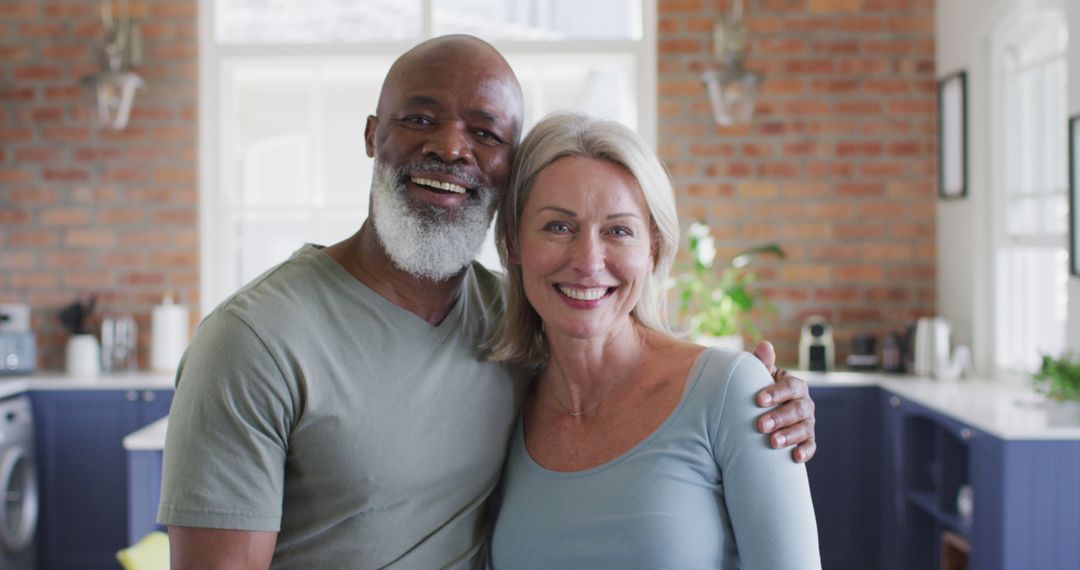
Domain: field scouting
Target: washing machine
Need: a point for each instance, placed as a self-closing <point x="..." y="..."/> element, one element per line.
<point x="18" y="486"/>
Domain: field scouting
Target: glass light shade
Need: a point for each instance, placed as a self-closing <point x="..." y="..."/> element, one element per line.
<point x="732" y="93"/>
<point x="114" y="94"/>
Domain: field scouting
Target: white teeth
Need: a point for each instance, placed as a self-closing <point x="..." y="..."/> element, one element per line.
<point x="583" y="294"/>
<point x="440" y="185"/>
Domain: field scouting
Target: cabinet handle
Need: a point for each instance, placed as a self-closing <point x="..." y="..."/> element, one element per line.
<point x="132" y="396"/>
<point x="894" y="401"/>
<point x="967" y="433"/>
<point x="149" y="396"/>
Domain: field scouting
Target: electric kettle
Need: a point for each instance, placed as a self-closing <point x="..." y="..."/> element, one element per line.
<point x="933" y="357"/>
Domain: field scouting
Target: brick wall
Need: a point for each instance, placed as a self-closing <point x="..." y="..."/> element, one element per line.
<point x="838" y="165"/>
<point x="93" y="211"/>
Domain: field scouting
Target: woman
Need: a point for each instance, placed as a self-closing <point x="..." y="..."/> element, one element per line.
<point x="634" y="449"/>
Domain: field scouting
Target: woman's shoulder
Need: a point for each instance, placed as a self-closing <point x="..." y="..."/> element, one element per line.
<point x="724" y="377"/>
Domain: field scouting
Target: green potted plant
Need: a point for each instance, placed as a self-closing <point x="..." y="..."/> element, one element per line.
<point x="715" y="297"/>
<point x="1059" y="380"/>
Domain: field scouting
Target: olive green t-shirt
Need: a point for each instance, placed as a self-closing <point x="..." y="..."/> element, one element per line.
<point x="309" y="405"/>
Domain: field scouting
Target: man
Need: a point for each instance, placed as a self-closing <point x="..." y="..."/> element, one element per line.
<point x="337" y="412"/>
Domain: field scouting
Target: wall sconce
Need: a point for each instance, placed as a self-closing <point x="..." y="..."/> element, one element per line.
<point x="732" y="88"/>
<point x="114" y="86"/>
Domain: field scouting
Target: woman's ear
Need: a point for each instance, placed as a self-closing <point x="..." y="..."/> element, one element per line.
<point x="513" y="256"/>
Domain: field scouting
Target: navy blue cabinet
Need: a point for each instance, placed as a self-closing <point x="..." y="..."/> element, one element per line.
<point x="1022" y="494"/>
<point x="82" y="470"/>
<point x="843" y="475"/>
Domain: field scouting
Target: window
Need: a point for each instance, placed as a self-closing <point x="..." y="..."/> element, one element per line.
<point x="1030" y="221"/>
<point x="287" y="87"/>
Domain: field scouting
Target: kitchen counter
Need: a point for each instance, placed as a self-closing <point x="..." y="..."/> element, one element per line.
<point x="149" y="438"/>
<point x="12" y="385"/>
<point x="1006" y="411"/>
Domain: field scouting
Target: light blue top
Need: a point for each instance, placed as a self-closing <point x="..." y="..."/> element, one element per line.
<point x="703" y="491"/>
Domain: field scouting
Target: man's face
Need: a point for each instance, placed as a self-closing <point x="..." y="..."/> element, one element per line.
<point x="443" y="142"/>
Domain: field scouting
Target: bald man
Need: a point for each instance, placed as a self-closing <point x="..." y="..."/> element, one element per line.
<point x="337" y="411"/>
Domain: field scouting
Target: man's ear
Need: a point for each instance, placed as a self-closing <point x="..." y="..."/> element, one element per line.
<point x="369" y="134"/>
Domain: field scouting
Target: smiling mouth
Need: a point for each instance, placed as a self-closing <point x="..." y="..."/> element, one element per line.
<point x="584" y="294"/>
<point x="439" y="186"/>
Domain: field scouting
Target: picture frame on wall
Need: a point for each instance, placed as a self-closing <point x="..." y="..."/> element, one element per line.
<point x="1074" y="195"/>
<point x="952" y="136"/>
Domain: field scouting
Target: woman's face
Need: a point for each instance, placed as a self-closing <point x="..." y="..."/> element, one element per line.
<point x="584" y="247"/>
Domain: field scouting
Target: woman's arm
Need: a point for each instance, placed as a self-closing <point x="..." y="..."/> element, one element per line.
<point x="766" y="494"/>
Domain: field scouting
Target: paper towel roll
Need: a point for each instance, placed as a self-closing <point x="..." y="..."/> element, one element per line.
<point x="168" y="336"/>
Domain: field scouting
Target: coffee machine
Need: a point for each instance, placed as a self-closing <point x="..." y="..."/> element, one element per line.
<point x="817" y="351"/>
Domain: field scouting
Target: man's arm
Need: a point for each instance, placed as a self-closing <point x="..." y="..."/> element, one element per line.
<point x="193" y="548"/>
<point x="792" y="422"/>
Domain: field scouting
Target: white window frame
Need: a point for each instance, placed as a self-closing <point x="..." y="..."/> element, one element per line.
<point x="216" y="242"/>
<point x="1022" y="16"/>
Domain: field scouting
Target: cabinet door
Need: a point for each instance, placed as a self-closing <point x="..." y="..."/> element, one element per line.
<point x="154" y="406"/>
<point x="83" y="477"/>
<point x="844" y="475"/>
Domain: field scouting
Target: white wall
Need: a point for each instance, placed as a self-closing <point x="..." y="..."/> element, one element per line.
<point x="964" y="273"/>
<point x="1072" y="13"/>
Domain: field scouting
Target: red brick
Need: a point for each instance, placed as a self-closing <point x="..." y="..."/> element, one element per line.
<point x="859" y="189"/>
<point x="835" y="5"/>
<point x="858" y="231"/>
<point x="64" y="217"/>
<point x="33" y="279"/>
<point x="174" y="259"/>
<point x="861" y="273"/>
<point x="66" y="51"/>
<point x="13" y="176"/>
<point x="65" y="175"/>
<point x="32" y="238"/>
<point x="805" y="273"/>
<point x="144" y="238"/>
<point x="679" y="6"/>
<point x="90" y="238"/>
<point x="835" y="252"/>
<point x="174" y="10"/>
<point x="87" y="279"/>
<point x="121" y="216"/>
<point x="15" y="53"/>
<point x="138" y="278"/>
<point x="17" y="260"/>
<point x="65" y="259"/>
<point x="38" y="73"/>
<point x="75" y="134"/>
<point x="18" y="10"/>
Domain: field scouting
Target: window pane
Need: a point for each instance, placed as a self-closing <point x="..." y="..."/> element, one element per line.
<point x="272" y="141"/>
<point x="539" y="20"/>
<point x="347" y="96"/>
<point x="316" y="21"/>
<point x="600" y="85"/>
<point x="265" y="239"/>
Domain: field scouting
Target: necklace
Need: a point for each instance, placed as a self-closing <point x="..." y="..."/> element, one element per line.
<point x="622" y="382"/>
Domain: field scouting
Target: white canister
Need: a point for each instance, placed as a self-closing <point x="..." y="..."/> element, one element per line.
<point x="83" y="356"/>
<point x="168" y="336"/>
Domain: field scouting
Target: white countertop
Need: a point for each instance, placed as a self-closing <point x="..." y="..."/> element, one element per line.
<point x="149" y="438"/>
<point x="1002" y="410"/>
<point x="12" y="385"/>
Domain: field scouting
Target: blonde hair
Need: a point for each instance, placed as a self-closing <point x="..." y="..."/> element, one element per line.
<point x="519" y="336"/>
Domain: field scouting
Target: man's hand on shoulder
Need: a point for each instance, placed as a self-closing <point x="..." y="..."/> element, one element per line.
<point x="791" y="422"/>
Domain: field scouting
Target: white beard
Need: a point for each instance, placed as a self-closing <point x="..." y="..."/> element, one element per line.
<point x="426" y="241"/>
